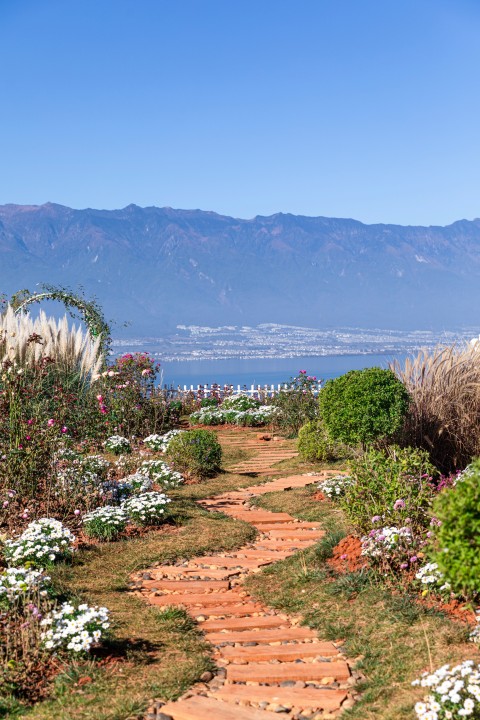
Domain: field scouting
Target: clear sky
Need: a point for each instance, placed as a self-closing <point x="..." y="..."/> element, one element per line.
<point x="350" y="108"/>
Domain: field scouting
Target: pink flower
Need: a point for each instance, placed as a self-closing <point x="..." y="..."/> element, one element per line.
<point x="64" y="429"/>
<point x="5" y="504"/>
<point x="404" y="566"/>
<point x="147" y="371"/>
<point x="30" y="422"/>
<point x="51" y="422"/>
<point x="100" y="398"/>
<point x="413" y="559"/>
<point x="343" y="557"/>
<point x="76" y="512"/>
<point x="28" y="437"/>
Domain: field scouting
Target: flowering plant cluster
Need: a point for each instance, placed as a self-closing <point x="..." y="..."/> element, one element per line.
<point x="18" y="583"/>
<point x="159" y="443"/>
<point x="147" y="508"/>
<point x="154" y="442"/>
<point x="334" y="487"/>
<point x="74" y="629"/>
<point x="454" y="693"/>
<point x="161" y="473"/>
<point x="388" y="544"/>
<point x="105" y="523"/>
<point x="249" y="417"/>
<point x="117" y="445"/>
<point x="42" y="543"/>
<point x="432" y="578"/>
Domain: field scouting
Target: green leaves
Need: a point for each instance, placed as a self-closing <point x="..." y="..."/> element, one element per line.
<point x="363" y="406"/>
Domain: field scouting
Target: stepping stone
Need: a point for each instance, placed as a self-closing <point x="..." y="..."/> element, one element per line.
<point x="284" y="653"/>
<point x="284" y="544"/>
<point x="312" y="698"/>
<point x="227" y="562"/>
<point x="266" y="527"/>
<point x="204" y="573"/>
<point x="250" y="623"/>
<point x="196" y="599"/>
<point x="261" y="517"/>
<point x="187" y="585"/>
<point x="203" y="708"/>
<point x="294" y="533"/>
<point x="231" y="610"/>
<point x="261" y="636"/>
<point x="275" y="673"/>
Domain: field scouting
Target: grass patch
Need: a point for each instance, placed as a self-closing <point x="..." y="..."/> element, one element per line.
<point x="156" y="653"/>
<point x="388" y="635"/>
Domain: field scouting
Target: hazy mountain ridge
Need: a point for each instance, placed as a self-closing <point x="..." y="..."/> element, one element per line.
<point x="159" y="267"/>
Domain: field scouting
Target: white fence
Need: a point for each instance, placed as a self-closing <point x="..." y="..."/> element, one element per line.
<point x="207" y="390"/>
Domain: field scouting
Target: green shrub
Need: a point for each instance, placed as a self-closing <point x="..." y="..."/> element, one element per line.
<point x="195" y="452"/>
<point x="363" y="406"/>
<point x="458" y="536"/>
<point x="296" y="403"/>
<point x="209" y="402"/>
<point x="392" y="484"/>
<point x="314" y="444"/>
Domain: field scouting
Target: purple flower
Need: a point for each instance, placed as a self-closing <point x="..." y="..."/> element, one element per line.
<point x="376" y="518"/>
<point x="404" y="566"/>
<point x="399" y="504"/>
<point x="413" y="559"/>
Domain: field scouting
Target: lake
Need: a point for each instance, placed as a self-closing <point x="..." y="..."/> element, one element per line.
<point x="265" y="371"/>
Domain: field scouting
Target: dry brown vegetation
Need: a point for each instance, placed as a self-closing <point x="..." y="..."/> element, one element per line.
<point x="444" y="417"/>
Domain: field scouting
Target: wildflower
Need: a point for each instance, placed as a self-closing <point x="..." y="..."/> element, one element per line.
<point x="399" y="504"/>
<point x="51" y="422"/>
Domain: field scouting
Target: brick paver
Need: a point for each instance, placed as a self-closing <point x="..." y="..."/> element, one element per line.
<point x="269" y="663"/>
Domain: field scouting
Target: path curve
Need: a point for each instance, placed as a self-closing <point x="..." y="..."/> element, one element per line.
<point x="267" y="662"/>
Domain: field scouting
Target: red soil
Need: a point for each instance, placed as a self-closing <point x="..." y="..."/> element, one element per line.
<point x="347" y="555"/>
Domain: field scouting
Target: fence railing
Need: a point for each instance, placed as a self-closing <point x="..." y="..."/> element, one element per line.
<point x="214" y="390"/>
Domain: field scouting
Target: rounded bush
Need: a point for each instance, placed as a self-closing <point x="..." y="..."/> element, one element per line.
<point x="314" y="444"/>
<point x="363" y="405"/>
<point x="196" y="453"/>
<point x="458" y="535"/>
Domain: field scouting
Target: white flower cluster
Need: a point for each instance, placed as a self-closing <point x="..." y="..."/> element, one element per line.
<point x="335" y="487"/>
<point x="96" y="464"/>
<point x="159" y="443"/>
<point x="40" y="544"/>
<point x="146" y="509"/>
<point x="137" y="482"/>
<point x="431" y="576"/>
<point x="380" y="542"/>
<point x="250" y="417"/>
<point x="108" y="517"/>
<point x="454" y="692"/>
<point x="73" y="479"/>
<point x="161" y="473"/>
<point x="240" y="401"/>
<point x="475" y="634"/>
<point x="117" y="444"/>
<point x="75" y="629"/>
<point x="18" y="582"/>
<point x="468" y="472"/>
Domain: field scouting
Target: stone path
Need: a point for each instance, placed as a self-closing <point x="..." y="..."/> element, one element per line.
<point x="267" y="662"/>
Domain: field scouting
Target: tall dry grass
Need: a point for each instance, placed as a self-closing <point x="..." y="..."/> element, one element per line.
<point x="24" y="341"/>
<point x="444" y="416"/>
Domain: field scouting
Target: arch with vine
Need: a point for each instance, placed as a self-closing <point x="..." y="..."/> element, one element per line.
<point x="89" y="310"/>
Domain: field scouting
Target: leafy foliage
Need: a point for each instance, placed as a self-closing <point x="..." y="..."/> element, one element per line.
<point x="391" y="485"/>
<point x="315" y="445"/>
<point x="296" y="403"/>
<point x="363" y="405"/>
<point x="458" y="535"/>
<point x="195" y="452"/>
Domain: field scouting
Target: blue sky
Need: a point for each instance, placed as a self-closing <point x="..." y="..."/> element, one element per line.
<point x="350" y="108"/>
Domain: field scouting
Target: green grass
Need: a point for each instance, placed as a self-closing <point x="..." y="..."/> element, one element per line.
<point x="389" y="636"/>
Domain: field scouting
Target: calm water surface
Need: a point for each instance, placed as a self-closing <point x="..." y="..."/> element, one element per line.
<point x="265" y="371"/>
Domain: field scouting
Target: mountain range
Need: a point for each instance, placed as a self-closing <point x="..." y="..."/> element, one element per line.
<point x="159" y="267"/>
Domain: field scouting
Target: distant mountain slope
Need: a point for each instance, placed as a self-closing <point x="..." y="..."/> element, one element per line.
<point x="158" y="267"/>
